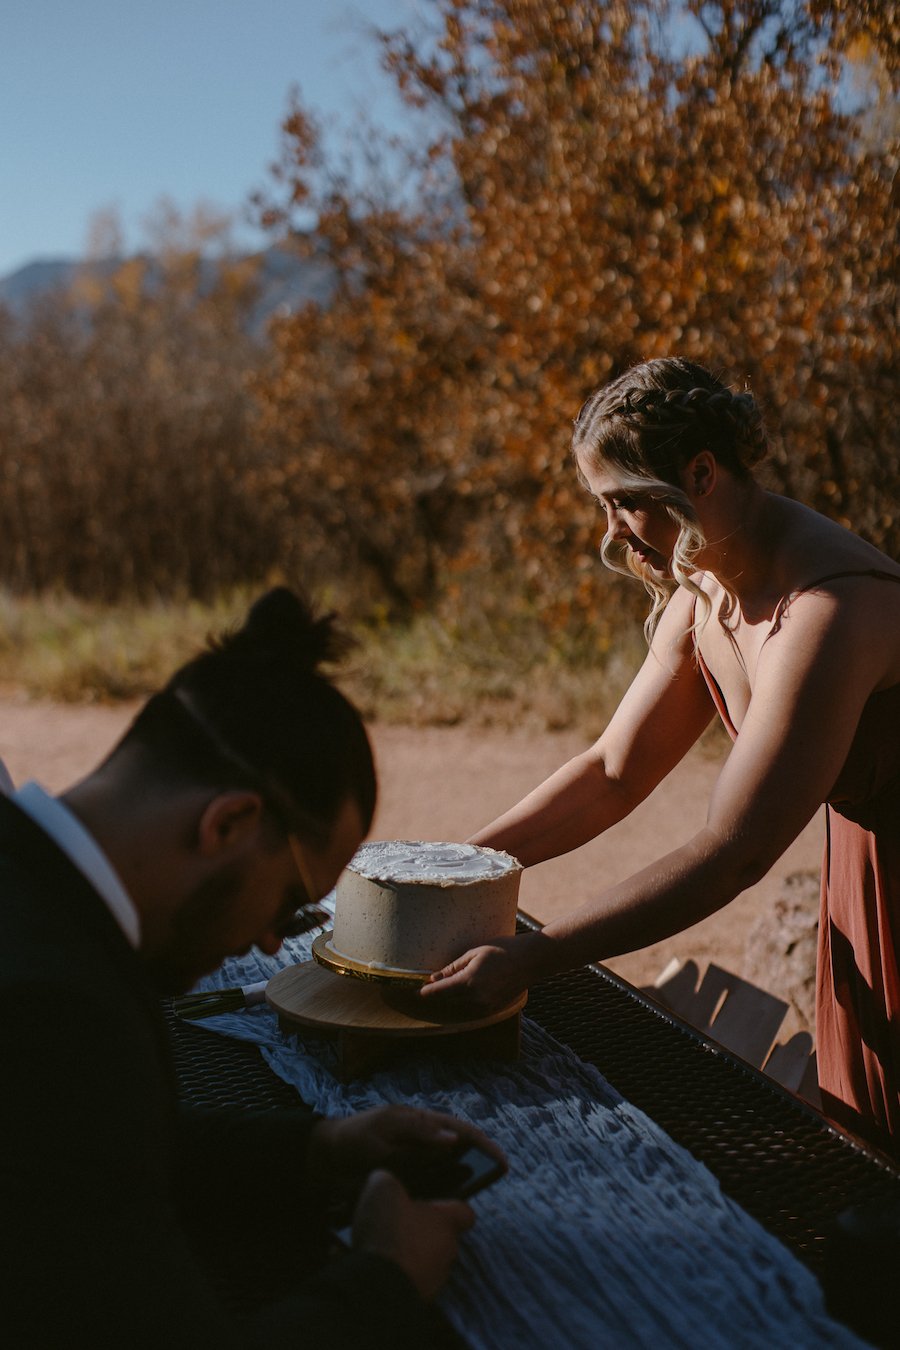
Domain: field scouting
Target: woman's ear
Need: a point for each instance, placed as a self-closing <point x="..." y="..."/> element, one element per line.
<point x="228" y="821"/>
<point x="699" y="475"/>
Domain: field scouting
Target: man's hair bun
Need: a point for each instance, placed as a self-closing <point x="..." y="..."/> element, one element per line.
<point x="282" y="625"/>
<point x="254" y="709"/>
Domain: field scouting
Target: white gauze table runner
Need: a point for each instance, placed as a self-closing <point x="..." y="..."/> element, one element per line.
<point x="605" y="1233"/>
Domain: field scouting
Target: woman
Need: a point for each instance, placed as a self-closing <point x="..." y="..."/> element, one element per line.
<point x="786" y="624"/>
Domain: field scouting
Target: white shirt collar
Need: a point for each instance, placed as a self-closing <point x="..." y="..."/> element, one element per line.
<point x="67" y="831"/>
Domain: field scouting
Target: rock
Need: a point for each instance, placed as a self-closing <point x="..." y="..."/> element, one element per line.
<point x="781" y="947"/>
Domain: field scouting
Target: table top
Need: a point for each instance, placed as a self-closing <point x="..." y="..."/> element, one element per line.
<point x="773" y="1154"/>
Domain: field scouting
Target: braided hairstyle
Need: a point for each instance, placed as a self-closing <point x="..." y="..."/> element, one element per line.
<point x="255" y="711"/>
<point x="647" y="425"/>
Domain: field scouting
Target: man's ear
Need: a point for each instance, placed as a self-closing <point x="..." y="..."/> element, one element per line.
<point x="700" y="474"/>
<point x="228" y="822"/>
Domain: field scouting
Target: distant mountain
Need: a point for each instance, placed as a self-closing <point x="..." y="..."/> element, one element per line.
<point x="18" y="289"/>
<point x="286" y="281"/>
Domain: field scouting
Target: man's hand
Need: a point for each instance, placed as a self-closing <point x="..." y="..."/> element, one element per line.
<point x="343" y="1150"/>
<point x="420" y="1236"/>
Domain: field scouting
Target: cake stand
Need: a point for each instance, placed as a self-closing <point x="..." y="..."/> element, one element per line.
<point x="374" y="1015"/>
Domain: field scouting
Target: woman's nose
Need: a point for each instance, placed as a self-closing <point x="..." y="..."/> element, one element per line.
<point x="615" y="526"/>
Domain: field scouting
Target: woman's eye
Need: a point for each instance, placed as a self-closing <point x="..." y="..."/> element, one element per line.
<point x="624" y="504"/>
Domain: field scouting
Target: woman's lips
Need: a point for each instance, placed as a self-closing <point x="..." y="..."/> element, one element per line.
<point x="649" y="557"/>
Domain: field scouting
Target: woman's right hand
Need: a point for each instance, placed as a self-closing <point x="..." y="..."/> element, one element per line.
<point x="488" y="978"/>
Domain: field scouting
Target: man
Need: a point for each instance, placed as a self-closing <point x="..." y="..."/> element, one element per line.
<point x="239" y="793"/>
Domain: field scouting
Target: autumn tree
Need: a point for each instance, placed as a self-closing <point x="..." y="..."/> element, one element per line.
<point x="600" y="181"/>
<point x="129" y="464"/>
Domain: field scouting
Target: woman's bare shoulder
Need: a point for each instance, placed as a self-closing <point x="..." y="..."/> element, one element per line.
<point x="849" y="615"/>
<point x="816" y="548"/>
<point x="674" y="633"/>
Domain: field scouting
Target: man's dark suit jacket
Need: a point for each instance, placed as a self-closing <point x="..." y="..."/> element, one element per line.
<point x="101" y="1175"/>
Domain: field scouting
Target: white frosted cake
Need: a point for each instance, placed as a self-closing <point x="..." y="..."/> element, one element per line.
<point x="414" y="907"/>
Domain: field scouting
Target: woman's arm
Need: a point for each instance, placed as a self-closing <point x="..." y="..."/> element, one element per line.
<point x="805" y="707"/>
<point x="659" y="719"/>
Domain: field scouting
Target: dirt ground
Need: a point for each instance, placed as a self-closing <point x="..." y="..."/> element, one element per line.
<point x="445" y="782"/>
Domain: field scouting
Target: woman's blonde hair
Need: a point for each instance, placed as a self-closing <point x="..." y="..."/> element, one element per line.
<point x="647" y="425"/>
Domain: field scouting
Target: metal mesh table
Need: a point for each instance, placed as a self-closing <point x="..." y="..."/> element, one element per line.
<point x="774" y="1155"/>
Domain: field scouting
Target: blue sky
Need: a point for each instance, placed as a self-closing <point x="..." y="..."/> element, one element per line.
<point x="116" y="104"/>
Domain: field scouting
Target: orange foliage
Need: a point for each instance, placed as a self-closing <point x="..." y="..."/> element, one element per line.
<point x="588" y="198"/>
<point x="586" y="189"/>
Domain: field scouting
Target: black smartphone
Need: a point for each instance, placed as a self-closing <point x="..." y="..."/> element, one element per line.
<point x="462" y="1173"/>
<point x="473" y="1171"/>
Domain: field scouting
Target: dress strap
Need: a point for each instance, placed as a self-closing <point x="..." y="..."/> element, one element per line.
<point x="835" y="576"/>
<point x="877" y="573"/>
<point x="712" y="684"/>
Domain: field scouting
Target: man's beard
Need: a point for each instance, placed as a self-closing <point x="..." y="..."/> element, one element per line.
<point x="192" y="950"/>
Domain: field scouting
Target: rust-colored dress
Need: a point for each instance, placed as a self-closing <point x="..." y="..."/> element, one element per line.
<point x="858" y="976"/>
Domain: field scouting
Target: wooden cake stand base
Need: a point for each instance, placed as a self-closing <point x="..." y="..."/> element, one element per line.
<point x="371" y="1022"/>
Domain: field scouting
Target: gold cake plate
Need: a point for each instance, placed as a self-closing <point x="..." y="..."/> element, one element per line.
<point x="326" y="956"/>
